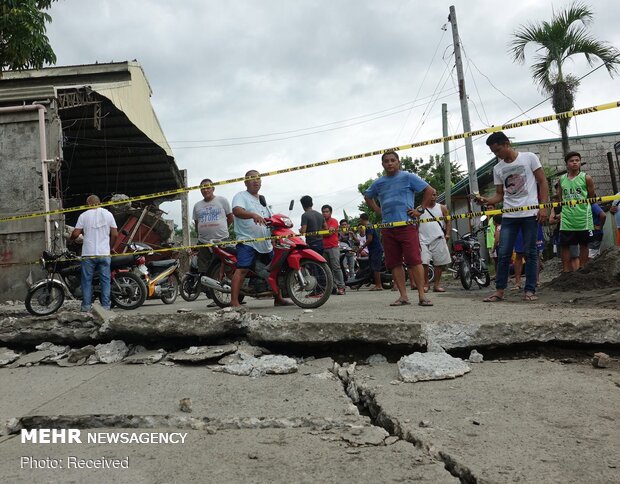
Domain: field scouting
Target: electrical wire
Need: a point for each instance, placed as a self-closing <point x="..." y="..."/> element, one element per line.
<point x="421" y="84"/>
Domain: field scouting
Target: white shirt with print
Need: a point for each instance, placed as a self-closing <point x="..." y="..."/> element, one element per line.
<point x="519" y="183"/>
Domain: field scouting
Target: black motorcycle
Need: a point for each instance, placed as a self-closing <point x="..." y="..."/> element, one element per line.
<point x="63" y="279"/>
<point x="190" y="287"/>
<point x="365" y="277"/>
<point x="467" y="262"/>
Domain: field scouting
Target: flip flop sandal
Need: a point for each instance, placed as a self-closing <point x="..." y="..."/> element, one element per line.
<point x="439" y="289"/>
<point x="493" y="298"/>
<point x="425" y="302"/>
<point x="400" y="302"/>
<point x="375" y="289"/>
<point x="530" y="297"/>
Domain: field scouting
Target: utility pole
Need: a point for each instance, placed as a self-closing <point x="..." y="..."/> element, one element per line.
<point x="446" y="158"/>
<point x="469" y="148"/>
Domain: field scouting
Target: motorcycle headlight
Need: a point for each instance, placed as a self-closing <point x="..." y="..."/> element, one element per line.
<point x="287" y="222"/>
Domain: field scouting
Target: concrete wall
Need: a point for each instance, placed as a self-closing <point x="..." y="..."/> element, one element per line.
<point x="21" y="192"/>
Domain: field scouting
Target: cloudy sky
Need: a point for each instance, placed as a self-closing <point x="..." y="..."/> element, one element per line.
<point x="266" y="84"/>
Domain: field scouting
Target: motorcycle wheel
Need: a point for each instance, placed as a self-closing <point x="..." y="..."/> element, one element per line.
<point x="128" y="291"/>
<point x="171" y="288"/>
<point x="465" y="273"/>
<point x="431" y="273"/>
<point x="190" y="287"/>
<point x="222" y="299"/>
<point x="318" y="288"/>
<point x="484" y="280"/>
<point x="43" y="300"/>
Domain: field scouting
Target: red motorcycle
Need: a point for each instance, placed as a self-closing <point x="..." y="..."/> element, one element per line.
<point x="295" y="272"/>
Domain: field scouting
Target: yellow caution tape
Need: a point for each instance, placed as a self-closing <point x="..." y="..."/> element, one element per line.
<point x="386" y="225"/>
<point x="468" y="134"/>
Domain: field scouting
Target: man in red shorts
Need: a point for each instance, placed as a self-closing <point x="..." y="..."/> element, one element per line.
<point x="395" y="192"/>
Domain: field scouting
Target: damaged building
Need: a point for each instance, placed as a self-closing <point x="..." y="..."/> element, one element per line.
<point x="65" y="133"/>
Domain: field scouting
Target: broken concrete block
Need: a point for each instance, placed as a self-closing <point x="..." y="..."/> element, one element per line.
<point x="475" y="357"/>
<point x="376" y="359"/>
<point x="433" y="347"/>
<point x="430" y="366"/>
<point x="7" y="356"/>
<point x="264" y="365"/>
<point x="81" y="353"/>
<point x="145" y="357"/>
<point x="31" y="358"/>
<point x="52" y="347"/>
<point x="197" y="354"/>
<point x="111" y="352"/>
<point x="601" y="360"/>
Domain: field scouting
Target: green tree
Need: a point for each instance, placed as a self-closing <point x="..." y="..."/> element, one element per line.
<point x="23" y="43"/>
<point x="431" y="171"/>
<point x="555" y="41"/>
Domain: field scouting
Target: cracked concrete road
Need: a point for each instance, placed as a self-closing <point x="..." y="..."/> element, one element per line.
<point x="511" y="421"/>
<point x="286" y="428"/>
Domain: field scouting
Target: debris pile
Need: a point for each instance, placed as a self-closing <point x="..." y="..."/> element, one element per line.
<point x="602" y="272"/>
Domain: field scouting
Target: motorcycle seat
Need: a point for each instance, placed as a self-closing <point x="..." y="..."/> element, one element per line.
<point x="162" y="263"/>
<point x="122" y="261"/>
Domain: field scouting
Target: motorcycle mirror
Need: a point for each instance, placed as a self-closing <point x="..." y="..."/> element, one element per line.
<point x="56" y="225"/>
<point x="291" y="205"/>
<point x="483" y="218"/>
<point x="455" y="230"/>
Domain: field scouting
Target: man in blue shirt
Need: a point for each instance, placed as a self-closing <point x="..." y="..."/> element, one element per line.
<point x="396" y="191"/>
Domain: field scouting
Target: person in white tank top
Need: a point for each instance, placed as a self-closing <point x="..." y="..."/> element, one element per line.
<point x="433" y="241"/>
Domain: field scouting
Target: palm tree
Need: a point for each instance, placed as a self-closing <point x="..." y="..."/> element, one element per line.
<point x="564" y="36"/>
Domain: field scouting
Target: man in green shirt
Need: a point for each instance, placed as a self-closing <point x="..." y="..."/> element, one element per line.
<point x="576" y="224"/>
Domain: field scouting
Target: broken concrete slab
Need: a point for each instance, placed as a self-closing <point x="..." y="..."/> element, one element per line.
<point x="523" y="420"/>
<point x="32" y="358"/>
<point x="75" y="355"/>
<point x="430" y="366"/>
<point x="58" y="349"/>
<point x="8" y="356"/>
<point x="145" y="357"/>
<point x="263" y="365"/>
<point x="111" y="352"/>
<point x="198" y="354"/>
<point x="130" y="391"/>
<point x="266" y="455"/>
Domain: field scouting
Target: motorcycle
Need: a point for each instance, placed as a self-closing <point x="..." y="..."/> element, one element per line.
<point x="467" y="262"/>
<point x="296" y="271"/>
<point x="190" y="287"/>
<point x="365" y="277"/>
<point x="63" y="279"/>
<point x="161" y="277"/>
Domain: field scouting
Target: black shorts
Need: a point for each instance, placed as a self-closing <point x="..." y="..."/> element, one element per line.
<point x="574" y="237"/>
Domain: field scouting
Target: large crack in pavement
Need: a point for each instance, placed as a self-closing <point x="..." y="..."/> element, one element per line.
<point x="365" y="398"/>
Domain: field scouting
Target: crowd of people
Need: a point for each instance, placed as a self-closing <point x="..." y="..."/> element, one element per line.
<point x="514" y="239"/>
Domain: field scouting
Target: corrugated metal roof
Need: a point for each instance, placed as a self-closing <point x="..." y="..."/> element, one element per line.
<point x="20" y="94"/>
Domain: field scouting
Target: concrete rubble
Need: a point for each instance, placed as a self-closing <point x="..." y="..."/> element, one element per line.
<point x="200" y="354"/>
<point x="263" y="365"/>
<point x="430" y="366"/>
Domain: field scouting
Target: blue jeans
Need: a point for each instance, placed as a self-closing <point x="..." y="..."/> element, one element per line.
<point x="89" y="266"/>
<point x="508" y="235"/>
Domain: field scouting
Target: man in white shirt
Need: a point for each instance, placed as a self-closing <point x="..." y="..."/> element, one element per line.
<point x="519" y="181"/>
<point x="212" y="216"/>
<point x="98" y="227"/>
